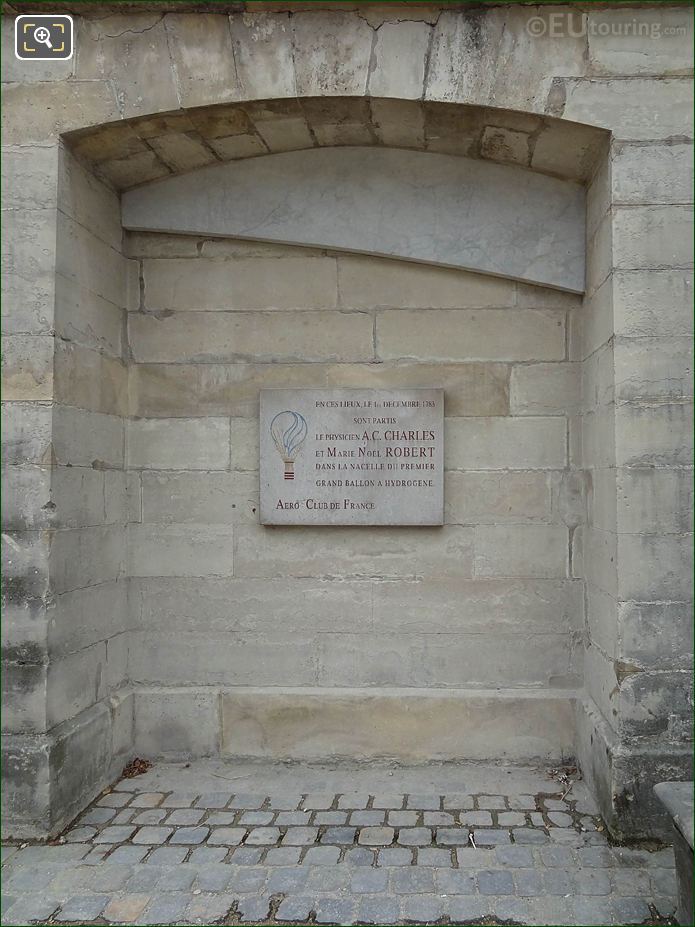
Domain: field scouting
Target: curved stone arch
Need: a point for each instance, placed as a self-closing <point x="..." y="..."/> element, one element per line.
<point x="141" y="149"/>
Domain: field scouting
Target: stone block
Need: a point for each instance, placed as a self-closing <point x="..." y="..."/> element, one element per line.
<point x="25" y="493"/>
<point x="24" y="695"/>
<point x="290" y="134"/>
<point x="244" y="444"/>
<point x="88" y="201"/>
<point x="371" y="659"/>
<point x="459" y="660"/>
<point x="263" y="54"/>
<point x="83" y="761"/>
<point x="654" y="501"/>
<point x="199" y="497"/>
<point x="29" y="182"/>
<point x="382" y="283"/>
<point x="653" y="369"/>
<point x="84" y="438"/>
<point x="252" y="336"/>
<point x="400" y="123"/>
<point x="84" y="497"/>
<point x="179" y="550"/>
<point x="223" y="658"/>
<point x="472" y="497"/>
<point x="36" y="113"/>
<point x="299" y="605"/>
<point x="642" y="639"/>
<point x="182" y="152"/>
<point x="87" y="556"/>
<point x="567" y="150"/>
<point x="26" y="434"/>
<point x="176" y="723"/>
<point x="457" y="335"/>
<point x="462" y="48"/>
<point x="26" y="787"/>
<point x="651" y="174"/>
<point x="505" y="145"/>
<point x="84" y="318"/>
<point x="88" y="615"/>
<point x="600" y="558"/>
<point x="136" y="169"/>
<point x="89" y="262"/>
<point x="128" y="54"/>
<point x="598" y="438"/>
<point x="528" y="443"/>
<point x="406" y="552"/>
<point x="27" y="368"/>
<point x="74" y="683"/>
<point x="544" y="389"/>
<point x="521" y="550"/>
<point x="399" y="57"/>
<point x="476" y="606"/>
<point x="654" y="568"/>
<point x="28" y="266"/>
<point x="633" y="108"/>
<point x="237" y="147"/>
<point x="179" y="444"/>
<point x="88" y="379"/>
<point x="216" y="389"/>
<point x="617" y="48"/>
<point x="240" y="283"/>
<point x="332" y="53"/>
<point x="652" y="236"/>
<point x="654" y="434"/>
<point x="201" y="44"/>
<point x="411" y="725"/>
<point x="653" y="303"/>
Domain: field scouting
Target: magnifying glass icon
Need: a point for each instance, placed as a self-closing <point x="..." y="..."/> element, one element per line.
<point x="43" y="35"/>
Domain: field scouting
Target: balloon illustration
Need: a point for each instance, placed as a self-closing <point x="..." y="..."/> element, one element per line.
<point x="289" y="430"/>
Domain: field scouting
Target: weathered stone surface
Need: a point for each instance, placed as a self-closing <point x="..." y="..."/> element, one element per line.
<point x="615" y="49"/>
<point x="178" y="550"/>
<point x="243" y="336"/>
<point x="179" y="444"/>
<point x="202" y="59"/>
<point x="455" y="335"/>
<point x="177" y="723"/>
<point x="127" y="54"/>
<point x="84" y="438"/>
<point x="253" y="283"/>
<point x="408" y="725"/>
<point x="521" y="550"/>
<point x="27" y="368"/>
<point x="479" y="498"/>
<point x="399" y="60"/>
<point x="408" y="552"/>
<point x="167" y="390"/>
<point x="505" y="443"/>
<point x="380" y="283"/>
<point x="632" y="108"/>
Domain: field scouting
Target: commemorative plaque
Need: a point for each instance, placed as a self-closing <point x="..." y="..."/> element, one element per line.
<point x="352" y="457"/>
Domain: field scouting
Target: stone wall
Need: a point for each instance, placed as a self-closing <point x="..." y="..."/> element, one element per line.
<point x="435" y="79"/>
<point x="64" y="482"/>
<point x="490" y="600"/>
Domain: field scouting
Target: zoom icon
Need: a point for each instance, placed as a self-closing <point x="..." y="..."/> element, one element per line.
<point x="43" y="38"/>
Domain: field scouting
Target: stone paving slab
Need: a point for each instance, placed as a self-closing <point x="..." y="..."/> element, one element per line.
<point x="525" y="850"/>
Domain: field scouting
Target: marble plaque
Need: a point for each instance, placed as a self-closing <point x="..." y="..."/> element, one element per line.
<point x="352" y="457"/>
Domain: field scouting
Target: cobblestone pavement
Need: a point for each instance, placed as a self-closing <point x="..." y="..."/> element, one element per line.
<point x="176" y="846"/>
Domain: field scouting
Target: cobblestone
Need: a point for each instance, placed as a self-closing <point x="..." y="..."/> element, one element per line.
<point x="354" y="858"/>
